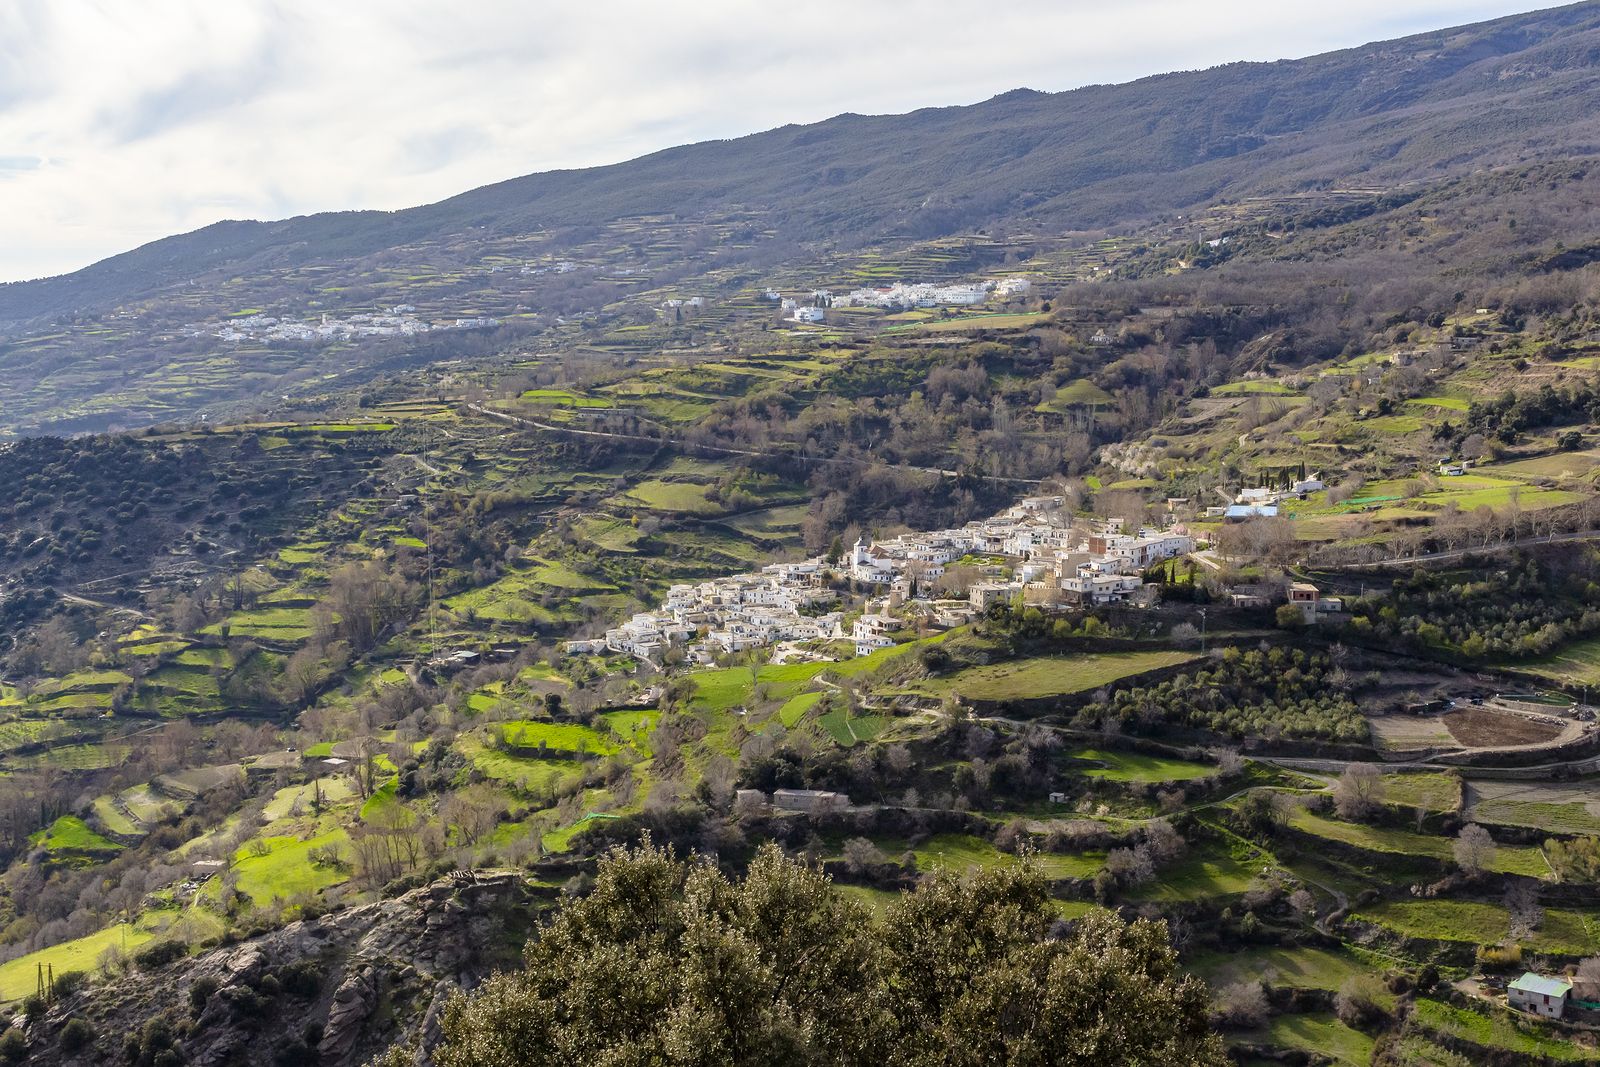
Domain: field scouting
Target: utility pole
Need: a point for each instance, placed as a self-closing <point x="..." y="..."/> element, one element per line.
<point x="1202" y="631"/>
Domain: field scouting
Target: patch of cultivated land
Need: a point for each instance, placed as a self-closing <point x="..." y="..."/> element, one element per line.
<point x="1507" y="859"/>
<point x="1399" y="733"/>
<point x="964" y="852"/>
<point x="1563" y="932"/>
<point x="285" y="868"/>
<point x="1046" y="676"/>
<point x="1208" y="872"/>
<point x="1434" y="792"/>
<point x="1556" y="807"/>
<point x="1478" y="727"/>
<point x="1320" y="1033"/>
<point x="1294" y="968"/>
<point x="557" y="737"/>
<point x="19" y="978"/>
<point x="1497" y="1030"/>
<point x="1113" y="766"/>
<point x="1575" y="664"/>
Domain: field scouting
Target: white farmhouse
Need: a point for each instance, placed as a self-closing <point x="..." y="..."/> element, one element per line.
<point x="1536" y="994"/>
<point x="871" y="632"/>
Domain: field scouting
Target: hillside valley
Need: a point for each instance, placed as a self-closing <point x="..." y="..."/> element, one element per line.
<point x="1177" y="501"/>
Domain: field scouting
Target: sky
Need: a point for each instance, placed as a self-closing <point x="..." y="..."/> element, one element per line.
<point x="122" y="122"/>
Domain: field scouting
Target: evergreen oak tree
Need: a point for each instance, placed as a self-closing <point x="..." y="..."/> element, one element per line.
<point x="670" y="962"/>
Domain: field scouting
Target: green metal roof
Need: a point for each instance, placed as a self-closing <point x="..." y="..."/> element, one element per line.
<point x="1538" y="983"/>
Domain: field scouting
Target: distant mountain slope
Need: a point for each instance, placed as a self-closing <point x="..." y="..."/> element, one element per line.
<point x="1522" y="87"/>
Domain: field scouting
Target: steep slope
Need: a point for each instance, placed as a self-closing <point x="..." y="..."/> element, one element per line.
<point x="1519" y="87"/>
<point x="332" y="990"/>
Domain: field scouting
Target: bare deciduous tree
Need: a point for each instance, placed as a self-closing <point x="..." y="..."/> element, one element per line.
<point x="1359" y="792"/>
<point x="1473" y="849"/>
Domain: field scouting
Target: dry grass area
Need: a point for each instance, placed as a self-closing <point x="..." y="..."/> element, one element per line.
<point x="1484" y="728"/>
<point x="1397" y="733"/>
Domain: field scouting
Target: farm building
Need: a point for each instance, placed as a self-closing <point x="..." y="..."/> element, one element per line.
<point x="1539" y="995"/>
<point x="1304" y="596"/>
<point x="811" y="801"/>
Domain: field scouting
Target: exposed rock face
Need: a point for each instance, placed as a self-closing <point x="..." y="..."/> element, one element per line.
<point x="335" y="990"/>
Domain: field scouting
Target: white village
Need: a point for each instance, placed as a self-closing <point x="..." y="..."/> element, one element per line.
<point x="1035" y="552"/>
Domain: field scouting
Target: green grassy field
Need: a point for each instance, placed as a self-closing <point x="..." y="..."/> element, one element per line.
<point x="74" y="757"/>
<point x="87" y="681"/>
<point x="1508" y="859"/>
<point x="1321" y="1032"/>
<point x="1572" y="817"/>
<point x="1135" y="766"/>
<point x="1304" y="967"/>
<point x="557" y="737"/>
<point x="674" y="496"/>
<point x="518" y="596"/>
<point x="284" y="801"/>
<point x="286" y="870"/>
<point x="1497" y="1030"/>
<point x="1475" y="922"/>
<point x="1202" y="875"/>
<point x="524" y="772"/>
<point x="71" y="836"/>
<point x="112" y="818"/>
<point x="1435" y="792"/>
<point x="563" y="398"/>
<point x="795" y="708"/>
<point x="848" y="729"/>
<point x="631" y="727"/>
<point x="21" y="732"/>
<point x="1577" y="663"/>
<point x="1046" y="676"/>
<point x="1448" y="403"/>
<point x="876" y="900"/>
<point x="1000" y="321"/>
<point x="1255" y="386"/>
<point x="725" y="688"/>
<point x="286" y="625"/>
<point x="964" y="852"/>
<point x="19" y="977"/>
<point x="1075" y="394"/>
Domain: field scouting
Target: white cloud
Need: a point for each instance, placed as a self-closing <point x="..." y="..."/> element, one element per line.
<point x="121" y="123"/>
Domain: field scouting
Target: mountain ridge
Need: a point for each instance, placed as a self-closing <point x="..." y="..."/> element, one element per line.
<point x="1393" y="110"/>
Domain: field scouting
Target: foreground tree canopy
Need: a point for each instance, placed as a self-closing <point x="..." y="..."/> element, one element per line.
<point x="671" y="962"/>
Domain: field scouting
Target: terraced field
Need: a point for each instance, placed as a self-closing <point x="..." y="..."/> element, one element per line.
<point x="1563" y="932"/>
<point x="19" y="977"/>
<point x="1388" y="839"/>
<point x="557" y="737"/>
<point x="1119" y="766"/>
<point x="1555" y="807"/>
<point x="1577" y="663"/>
<point x="1028" y="679"/>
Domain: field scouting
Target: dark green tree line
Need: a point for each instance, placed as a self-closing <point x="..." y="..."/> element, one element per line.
<point x="671" y="962"/>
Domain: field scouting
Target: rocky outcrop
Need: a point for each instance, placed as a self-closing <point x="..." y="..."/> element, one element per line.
<point x="334" y="990"/>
